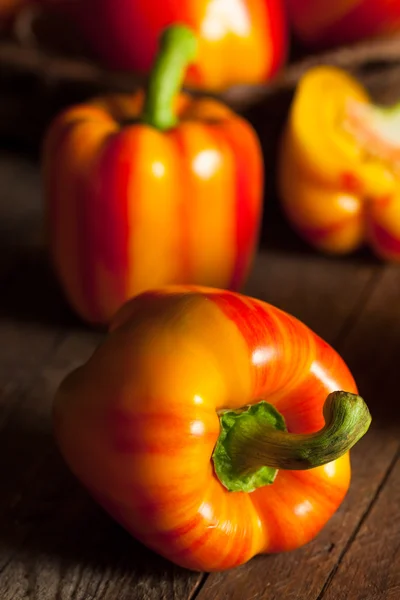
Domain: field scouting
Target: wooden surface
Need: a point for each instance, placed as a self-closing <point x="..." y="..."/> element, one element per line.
<point x="56" y="544"/>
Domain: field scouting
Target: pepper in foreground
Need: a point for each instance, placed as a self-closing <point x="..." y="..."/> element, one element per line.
<point x="212" y="426"/>
<point x="149" y="191"/>
<point x="339" y="167"/>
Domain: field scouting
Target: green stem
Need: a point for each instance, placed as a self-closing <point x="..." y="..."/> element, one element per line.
<point x="178" y="48"/>
<point x="254" y="443"/>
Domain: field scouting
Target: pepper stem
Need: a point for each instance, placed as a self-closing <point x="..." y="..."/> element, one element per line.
<point x="178" y="48"/>
<point x="254" y="443"/>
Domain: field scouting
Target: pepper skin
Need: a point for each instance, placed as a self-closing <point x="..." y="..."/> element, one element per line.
<point x="137" y="424"/>
<point x="339" y="177"/>
<point x="240" y="41"/>
<point x="140" y="196"/>
<point x="325" y="23"/>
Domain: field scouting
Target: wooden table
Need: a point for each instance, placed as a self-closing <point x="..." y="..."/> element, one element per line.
<point x="56" y="544"/>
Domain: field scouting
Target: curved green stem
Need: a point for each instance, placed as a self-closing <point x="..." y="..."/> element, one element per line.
<point x="178" y="48"/>
<point x="254" y="444"/>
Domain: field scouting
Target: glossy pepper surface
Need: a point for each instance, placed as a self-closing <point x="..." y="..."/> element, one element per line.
<point x="339" y="174"/>
<point x="324" y="23"/>
<point x="147" y="424"/>
<point x="146" y="192"/>
<point x="240" y="41"/>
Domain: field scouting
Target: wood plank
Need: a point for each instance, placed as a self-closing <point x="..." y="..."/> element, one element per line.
<point x="20" y="208"/>
<point x="324" y="293"/>
<point x="29" y="294"/>
<point x="373" y="560"/>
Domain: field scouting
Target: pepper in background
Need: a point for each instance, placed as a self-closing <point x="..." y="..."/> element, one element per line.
<point x="143" y="192"/>
<point x="157" y="426"/>
<point x="9" y="8"/>
<point x="339" y="166"/>
<point x="324" y="23"/>
<point x="240" y="41"/>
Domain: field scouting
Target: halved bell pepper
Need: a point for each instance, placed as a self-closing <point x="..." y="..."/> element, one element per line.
<point x="151" y="189"/>
<point x="212" y="426"/>
<point x="339" y="166"/>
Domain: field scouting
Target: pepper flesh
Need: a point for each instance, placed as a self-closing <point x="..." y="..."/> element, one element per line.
<point x="138" y="424"/>
<point x="132" y="205"/>
<point x="338" y="175"/>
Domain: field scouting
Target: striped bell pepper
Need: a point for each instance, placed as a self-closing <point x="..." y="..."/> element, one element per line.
<point x="150" y="189"/>
<point x="212" y="426"/>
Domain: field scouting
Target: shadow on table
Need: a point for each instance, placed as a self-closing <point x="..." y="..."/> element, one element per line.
<point x="278" y="237"/>
<point x="372" y="352"/>
<point x="31" y="293"/>
<point x="50" y="525"/>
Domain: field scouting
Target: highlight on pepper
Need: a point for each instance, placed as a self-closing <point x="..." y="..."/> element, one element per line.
<point x="212" y="426"/>
<point x="150" y="189"/>
<point x="339" y="166"/>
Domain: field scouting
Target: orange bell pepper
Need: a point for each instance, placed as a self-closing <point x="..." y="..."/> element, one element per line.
<point x="157" y="426"/>
<point x="339" y="176"/>
<point x="143" y="192"/>
<point x="240" y="41"/>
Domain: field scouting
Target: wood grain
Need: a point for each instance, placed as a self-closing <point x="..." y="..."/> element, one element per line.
<point x="373" y="560"/>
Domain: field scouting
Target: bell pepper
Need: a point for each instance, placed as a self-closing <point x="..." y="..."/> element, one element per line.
<point x="212" y="426"/>
<point x="240" y="41"/>
<point x="146" y="191"/>
<point x="329" y="23"/>
<point x="339" y="178"/>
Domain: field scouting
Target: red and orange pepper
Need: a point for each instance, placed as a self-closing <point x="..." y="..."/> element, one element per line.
<point x="240" y="41"/>
<point x="339" y="167"/>
<point x="157" y="426"/>
<point x="154" y="189"/>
